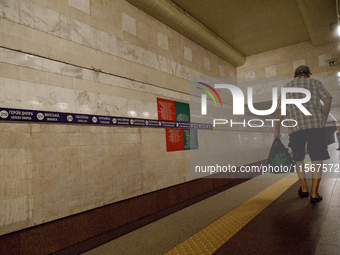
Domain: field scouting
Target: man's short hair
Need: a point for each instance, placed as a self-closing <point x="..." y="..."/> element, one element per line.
<point x="302" y="70"/>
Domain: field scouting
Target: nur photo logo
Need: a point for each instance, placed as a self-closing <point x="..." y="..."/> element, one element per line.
<point x="238" y="104"/>
<point x="204" y="97"/>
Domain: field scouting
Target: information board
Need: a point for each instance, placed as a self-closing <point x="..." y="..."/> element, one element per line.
<point x="166" y="109"/>
<point x="182" y="112"/>
<point x="181" y="139"/>
<point x="184" y="136"/>
<point x="190" y="139"/>
<point x="174" y="139"/>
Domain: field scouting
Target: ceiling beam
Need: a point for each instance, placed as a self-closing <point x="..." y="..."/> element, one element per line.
<point x="174" y="17"/>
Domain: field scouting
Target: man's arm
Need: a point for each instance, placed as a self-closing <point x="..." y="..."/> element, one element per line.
<point x="278" y="124"/>
<point x="327" y="102"/>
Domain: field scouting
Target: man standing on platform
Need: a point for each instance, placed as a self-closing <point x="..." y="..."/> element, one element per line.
<point x="309" y="129"/>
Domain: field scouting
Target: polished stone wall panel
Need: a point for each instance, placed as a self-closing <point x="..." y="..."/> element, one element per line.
<point x="35" y="16"/>
<point x="287" y="59"/>
<point x="81" y="5"/>
<point x="54" y="57"/>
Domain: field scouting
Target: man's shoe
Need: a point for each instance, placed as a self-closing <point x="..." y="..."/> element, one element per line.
<point x="303" y="194"/>
<point x="315" y="199"/>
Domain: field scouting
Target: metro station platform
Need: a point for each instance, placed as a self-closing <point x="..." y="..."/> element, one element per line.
<point x="263" y="215"/>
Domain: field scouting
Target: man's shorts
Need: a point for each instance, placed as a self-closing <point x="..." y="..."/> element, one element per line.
<point x="316" y="144"/>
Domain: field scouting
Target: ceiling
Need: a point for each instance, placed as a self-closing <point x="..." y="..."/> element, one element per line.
<point x="255" y="26"/>
<point x="235" y="29"/>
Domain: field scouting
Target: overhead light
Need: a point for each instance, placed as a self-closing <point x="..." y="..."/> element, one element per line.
<point x="338" y="74"/>
<point x="332" y="61"/>
<point x="335" y="27"/>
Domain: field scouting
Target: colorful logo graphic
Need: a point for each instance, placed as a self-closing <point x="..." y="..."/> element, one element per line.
<point x="208" y="92"/>
<point x="238" y="99"/>
<point x="204" y="97"/>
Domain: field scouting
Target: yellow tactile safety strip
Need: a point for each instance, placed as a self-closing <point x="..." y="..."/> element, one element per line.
<point x="208" y="240"/>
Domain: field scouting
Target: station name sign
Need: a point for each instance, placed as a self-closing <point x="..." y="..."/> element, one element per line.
<point x="22" y="115"/>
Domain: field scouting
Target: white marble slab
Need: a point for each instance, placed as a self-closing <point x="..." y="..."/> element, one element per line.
<point x="207" y="63"/>
<point x="129" y="24"/>
<point x="99" y="77"/>
<point x="163" y="41"/>
<point x="11" y="10"/>
<point x="64" y="27"/>
<point x="187" y="53"/>
<point x="110" y="105"/>
<point x="71" y="71"/>
<point x="28" y="95"/>
<point x="186" y="72"/>
<point x="41" y="18"/>
<point x="26" y="13"/>
<point x="164" y="64"/>
<point x="177" y="69"/>
<point x="222" y="72"/>
<point x="298" y="63"/>
<point x="270" y="71"/>
<point x="322" y="59"/>
<point x="8" y="56"/>
<point x="71" y="29"/>
<point x="81" y="5"/>
<point x="53" y="22"/>
<point x="249" y="74"/>
<point x="113" y="50"/>
<point x="37" y="63"/>
<point x="76" y="31"/>
<point x="44" y="97"/>
<point x="10" y="96"/>
<point x="47" y="20"/>
<point x="129" y="51"/>
<point x="103" y="42"/>
<point x="89" y="36"/>
<point x="150" y="59"/>
<point x="1" y="9"/>
<point x="145" y="109"/>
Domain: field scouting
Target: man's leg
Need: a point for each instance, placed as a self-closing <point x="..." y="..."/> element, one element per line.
<point x="316" y="178"/>
<point x="300" y="170"/>
<point x="317" y="149"/>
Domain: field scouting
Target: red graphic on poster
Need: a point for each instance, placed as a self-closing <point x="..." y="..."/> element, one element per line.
<point x="174" y="139"/>
<point x="166" y="109"/>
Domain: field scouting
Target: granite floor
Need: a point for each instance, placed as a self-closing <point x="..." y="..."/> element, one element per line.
<point x="289" y="225"/>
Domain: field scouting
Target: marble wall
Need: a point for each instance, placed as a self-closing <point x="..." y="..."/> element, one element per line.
<point x="275" y="68"/>
<point x="105" y="58"/>
<point x="281" y="63"/>
<point x="99" y="57"/>
<point x="117" y="43"/>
